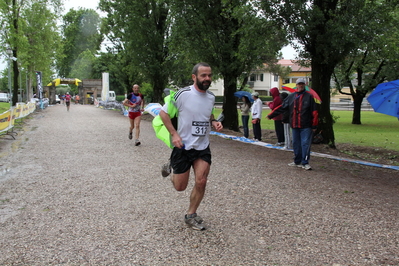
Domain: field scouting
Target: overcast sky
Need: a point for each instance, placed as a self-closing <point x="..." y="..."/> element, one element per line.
<point x="68" y="4"/>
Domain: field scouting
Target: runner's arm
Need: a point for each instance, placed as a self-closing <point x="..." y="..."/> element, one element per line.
<point x="176" y="139"/>
<point x="216" y="124"/>
<point x="127" y="103"/>
<point x="142" y="103"/>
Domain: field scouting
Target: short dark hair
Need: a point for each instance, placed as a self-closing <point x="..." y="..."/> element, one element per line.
<point x="283" y="95"/>
<point x="195" y="68"/>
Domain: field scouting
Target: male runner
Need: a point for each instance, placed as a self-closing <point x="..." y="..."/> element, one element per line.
<point x="191" y="139"/>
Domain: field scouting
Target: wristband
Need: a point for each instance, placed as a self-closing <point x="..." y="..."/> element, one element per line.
<point x="214" y="120"/>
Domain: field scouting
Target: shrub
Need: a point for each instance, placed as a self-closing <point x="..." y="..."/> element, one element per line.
<point x="120" y="98"/>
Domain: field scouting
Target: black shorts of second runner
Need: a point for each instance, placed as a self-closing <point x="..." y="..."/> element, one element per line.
<point x="181" y="160"/>
<point x="68" y="103"/>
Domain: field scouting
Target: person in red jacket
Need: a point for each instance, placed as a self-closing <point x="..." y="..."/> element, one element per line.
<point x="278" y="120"/>
<point x="303" y="120"/>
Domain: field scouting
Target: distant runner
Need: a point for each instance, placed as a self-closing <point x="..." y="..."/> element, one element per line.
<point x="135" y="102"/>
<point x="68" y="100"/>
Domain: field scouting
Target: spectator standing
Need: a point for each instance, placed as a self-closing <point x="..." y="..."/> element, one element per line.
<point x="256" y="116"/>
<point x="286" y="125"/>
<point x="245" y="107"/>
<point x="191" y="139"/>
<point x="278" y="123"/>
<point x="77" y="99"/>
<point x="303" y="120"/>
<point x="135" y="102"/>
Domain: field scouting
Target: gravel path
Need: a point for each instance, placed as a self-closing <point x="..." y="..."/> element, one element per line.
<point x="74" y="190"/>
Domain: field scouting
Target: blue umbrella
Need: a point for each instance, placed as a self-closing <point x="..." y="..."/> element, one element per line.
<point x="385" y="98"/>
<point x="240" y="94"/>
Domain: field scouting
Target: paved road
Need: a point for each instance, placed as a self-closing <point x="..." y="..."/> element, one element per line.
<point x="75" y="191"/>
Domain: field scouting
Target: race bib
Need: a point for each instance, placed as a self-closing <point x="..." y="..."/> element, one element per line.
<point x="199" y="128"/>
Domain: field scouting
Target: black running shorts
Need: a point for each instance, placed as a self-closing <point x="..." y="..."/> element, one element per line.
<point x="181" y="160"/>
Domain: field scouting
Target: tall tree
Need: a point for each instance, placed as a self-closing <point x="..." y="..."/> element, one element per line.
<point x="139" y="31"/>
<point x="328" y="30"/>
<point x="15" y="19"/>
<point x="80" y="33"/>
<point x="231" y="36"/>
<point x="373" y="62"/>
<point x="43" y="43"/>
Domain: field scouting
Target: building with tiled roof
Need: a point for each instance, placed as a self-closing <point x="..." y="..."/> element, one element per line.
<point x="262" y="81"/>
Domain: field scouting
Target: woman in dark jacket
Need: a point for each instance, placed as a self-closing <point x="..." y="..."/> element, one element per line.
<point x="278" y="123"/>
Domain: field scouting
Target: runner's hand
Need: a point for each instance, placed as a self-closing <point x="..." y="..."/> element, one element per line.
<point x="217" y="125"/>
<point x="177" y="141"/>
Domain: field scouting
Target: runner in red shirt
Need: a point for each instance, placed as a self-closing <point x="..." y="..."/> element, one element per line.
<point x="68" y="100"/>
<point x="135" y="102"/>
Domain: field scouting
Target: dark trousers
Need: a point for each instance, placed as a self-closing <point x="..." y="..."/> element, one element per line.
<point x="301" y="142"/>
<point x="279" y="128"/>
<point x="245" y="119"/>
<point x="257" y="131"/>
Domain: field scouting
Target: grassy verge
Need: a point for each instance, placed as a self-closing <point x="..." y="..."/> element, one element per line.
<point x="377" y="130"/>
<point x="4" y="107"/>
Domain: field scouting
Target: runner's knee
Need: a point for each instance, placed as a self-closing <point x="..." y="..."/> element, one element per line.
<point x="201" y="181"/>
<point x="180" y="181"/>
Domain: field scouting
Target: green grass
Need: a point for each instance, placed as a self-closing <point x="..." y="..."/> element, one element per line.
<point x="377" y="130"/>
<point x="4" y="107"/>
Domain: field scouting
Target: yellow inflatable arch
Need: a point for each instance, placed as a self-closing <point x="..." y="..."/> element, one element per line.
<point x="59" y="81"/>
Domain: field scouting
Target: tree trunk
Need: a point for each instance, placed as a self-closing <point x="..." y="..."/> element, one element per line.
<point x="244" y="82"/>
<point x="15" y="54"/>
<point x="29" y="85"/>
<point x="159" y="86"/>
<point x="321" y="75"/>
<point x="357" y="109"/>
<point x="230" y="103"/>
<point x="159" y="80"/>
<point x="15" y="81"/>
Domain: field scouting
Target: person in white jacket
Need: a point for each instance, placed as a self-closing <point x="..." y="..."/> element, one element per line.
<point x="256" y="116"/>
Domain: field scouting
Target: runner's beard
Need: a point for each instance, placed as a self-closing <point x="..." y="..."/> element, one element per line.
<point x="203" y="85"/>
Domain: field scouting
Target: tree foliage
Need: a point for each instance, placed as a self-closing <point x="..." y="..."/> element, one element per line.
<point x="373" y="62"/>
<point x="139" y="32"/>
<point x="42" y="46"/>
<point x="83" y="65"/>
<point x="27" y="27"/>
<point x="80" y="33"/>
<point x="230" y="36"/>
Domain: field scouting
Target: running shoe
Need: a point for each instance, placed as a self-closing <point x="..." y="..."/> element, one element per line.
<point x="194" y="221"/>
<point x="137" y="142"/>
<point x="306" y="167"/>
<point x="294" y="164"/>
<point x="130" y="135"/>
<point x="166" y="169"/>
